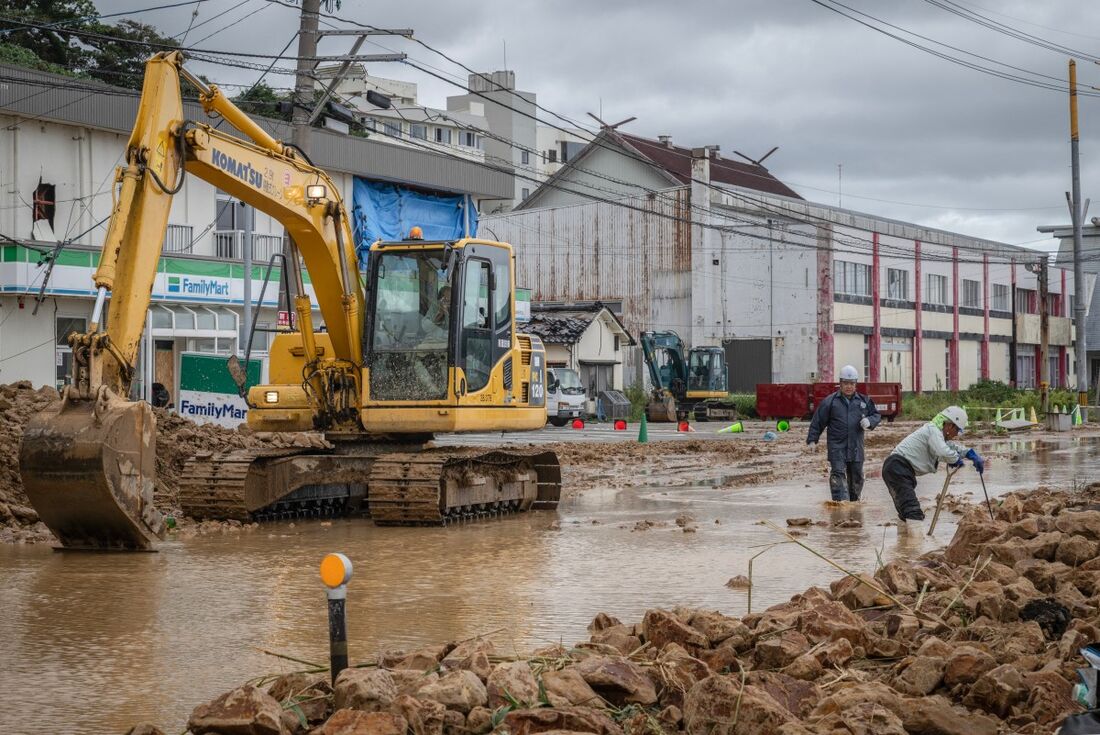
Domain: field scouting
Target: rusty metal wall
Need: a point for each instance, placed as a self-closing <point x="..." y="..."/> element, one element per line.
<point x="639" y="253"/>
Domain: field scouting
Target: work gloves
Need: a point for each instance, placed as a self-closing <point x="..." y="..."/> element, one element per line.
<point x="865" y="423"/>
<point x="956" y="465"/>
<point x="979" y="463"/>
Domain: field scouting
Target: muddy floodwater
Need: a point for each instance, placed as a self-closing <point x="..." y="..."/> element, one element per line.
<point x="93" y="643"/>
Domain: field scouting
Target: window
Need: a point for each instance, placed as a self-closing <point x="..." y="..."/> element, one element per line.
<point x="476" y="327"/>
<point x="44" y="203"/>
<point x="392" y="129"/>
<point x="851" y="278"/>
<point x="63" y="327"/>
<point x="569" y="150"/>
<point x="525" y="157"/>
<point x="408" y="359"/>
<point x="551" y="156"/>
<point x="1000" y="297"/>
<point x="370" y="123"/>
<point x="1027" y="301"/>
<point x="972" y="294"/>
<point x="597" y="378"/>
<point x="936" y="293"/>
<point x="897" y="284"/>
<point x="419" y="132"/>
<point x="443" y="135"/>
<point x="1054" y="304"/>
<point x="524" y="193"/>
<point x="468" y="139"/>
<point x="1025" y="366"/>
<point x="867" y="356"/>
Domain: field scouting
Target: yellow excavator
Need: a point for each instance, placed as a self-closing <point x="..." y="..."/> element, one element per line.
<point x="423" y="342"/>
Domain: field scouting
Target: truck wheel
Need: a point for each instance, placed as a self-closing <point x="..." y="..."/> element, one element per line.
<point x="558" y="420"/>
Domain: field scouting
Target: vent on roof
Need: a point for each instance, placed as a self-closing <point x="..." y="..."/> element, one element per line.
<point x="666" y="140"/>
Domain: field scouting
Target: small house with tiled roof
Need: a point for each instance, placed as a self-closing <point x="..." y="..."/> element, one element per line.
<point x="586" y="336"/>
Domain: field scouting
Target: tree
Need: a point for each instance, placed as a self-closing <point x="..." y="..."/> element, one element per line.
<point x="51" y="45"/>
<point x="263" y="100"/>
<point x="121" y="58"/>
<point x="58" y="42"/>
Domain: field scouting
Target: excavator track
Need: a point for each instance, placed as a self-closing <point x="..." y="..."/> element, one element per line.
<point x="396" y="488"/>
<point x="212" y="485"/>
<point x="440" y="486"/>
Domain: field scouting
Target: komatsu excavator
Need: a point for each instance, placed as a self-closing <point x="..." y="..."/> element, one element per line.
<point x="427" y="345"/>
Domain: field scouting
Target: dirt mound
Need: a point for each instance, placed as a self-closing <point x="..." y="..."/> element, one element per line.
<point x="952" y="643"/>
<point x="18" y="402"/>
<point x="178" y="439"/>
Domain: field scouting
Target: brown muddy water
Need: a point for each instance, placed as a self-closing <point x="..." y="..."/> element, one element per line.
<point x="93" y="643"/>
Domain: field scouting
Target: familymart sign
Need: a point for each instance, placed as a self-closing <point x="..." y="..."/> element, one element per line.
<point x="208" y="394"/>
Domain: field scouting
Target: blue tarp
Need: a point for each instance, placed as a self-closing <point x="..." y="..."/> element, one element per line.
<point x="382" y="211"/>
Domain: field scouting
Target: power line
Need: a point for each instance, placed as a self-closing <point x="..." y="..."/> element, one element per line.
<point x="1056" y="85"/>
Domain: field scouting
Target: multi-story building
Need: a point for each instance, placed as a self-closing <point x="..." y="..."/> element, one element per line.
<point x="407" y="122"/>
<point x="60" y="141"/>
<point x="724" y="253"/>
<point x="511" y="121"/>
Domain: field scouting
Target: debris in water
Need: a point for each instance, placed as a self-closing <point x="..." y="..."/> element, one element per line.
<point x="740" y="582"/>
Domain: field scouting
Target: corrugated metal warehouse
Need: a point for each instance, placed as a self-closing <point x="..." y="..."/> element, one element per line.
<point x="794" y="290"/>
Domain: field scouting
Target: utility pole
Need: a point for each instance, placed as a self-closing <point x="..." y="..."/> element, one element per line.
<point x="300" y="127"/>
<point x="1040" y="271"/>
<point x="1080" y="349"/>
<point x="248" y="216"/>
<point x="303" y="81"/>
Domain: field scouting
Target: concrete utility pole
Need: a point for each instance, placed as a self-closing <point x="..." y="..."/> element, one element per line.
<point x="300" y="135"/>
<point x="1081" y="347"/>
<point x="248" y="217"/>
<point x="303" y="83"/>
<point x="1044" y="332"/>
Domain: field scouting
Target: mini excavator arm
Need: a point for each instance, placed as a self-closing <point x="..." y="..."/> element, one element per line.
<point x="88" y="466"/>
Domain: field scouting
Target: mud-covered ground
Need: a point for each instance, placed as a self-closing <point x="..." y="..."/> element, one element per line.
<point x="588" y="460"/>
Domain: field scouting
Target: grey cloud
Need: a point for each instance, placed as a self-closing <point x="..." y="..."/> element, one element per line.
<point x="756" y="73"/>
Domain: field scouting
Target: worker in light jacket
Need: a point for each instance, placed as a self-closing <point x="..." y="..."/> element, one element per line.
<point x="844" y="415"/>
<point x="920" y="453"/>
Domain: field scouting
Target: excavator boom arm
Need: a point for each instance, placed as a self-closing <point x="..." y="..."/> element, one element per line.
<point x="260" y="172"/>
<point x="88" y="464"/>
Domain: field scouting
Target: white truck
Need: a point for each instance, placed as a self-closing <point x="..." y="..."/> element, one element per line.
<point x="565" y="395"/>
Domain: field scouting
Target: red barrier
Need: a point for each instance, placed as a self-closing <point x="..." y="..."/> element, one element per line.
<point x="799" y="400"/>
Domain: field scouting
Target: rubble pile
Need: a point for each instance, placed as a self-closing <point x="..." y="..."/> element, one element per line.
<point x="178" y="439"/>
<point x="976" y="639"/>
<point x="18" y="402"/>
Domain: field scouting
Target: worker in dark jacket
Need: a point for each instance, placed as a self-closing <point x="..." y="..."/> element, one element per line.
<point x="845" y="415"/>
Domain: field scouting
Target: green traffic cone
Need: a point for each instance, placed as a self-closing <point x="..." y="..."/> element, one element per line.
<point x="643" y="431"/>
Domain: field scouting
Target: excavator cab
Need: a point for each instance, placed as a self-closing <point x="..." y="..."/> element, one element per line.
<point x="440" y="343"/>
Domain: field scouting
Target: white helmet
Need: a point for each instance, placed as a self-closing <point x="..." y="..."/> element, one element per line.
<point x="849" y="372"/>
<point x="955" y="415"/>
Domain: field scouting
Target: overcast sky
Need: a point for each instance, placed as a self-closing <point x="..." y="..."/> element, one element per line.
<point x="920" y="139"/>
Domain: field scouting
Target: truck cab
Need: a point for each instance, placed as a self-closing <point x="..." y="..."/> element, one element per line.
<point x="565" y="395"/>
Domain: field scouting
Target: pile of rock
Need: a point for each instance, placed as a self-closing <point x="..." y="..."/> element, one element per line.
<point x="18" y="520"/>
<point x="977" y="639"/>
<point x="178" y="439"/>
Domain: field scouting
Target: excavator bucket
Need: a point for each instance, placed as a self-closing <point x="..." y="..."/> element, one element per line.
<point x="88" y="468"/>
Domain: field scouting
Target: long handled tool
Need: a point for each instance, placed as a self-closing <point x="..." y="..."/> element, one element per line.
<point x="939" y="501"/>
<point x="986" y="494"/>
